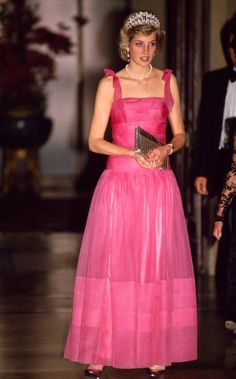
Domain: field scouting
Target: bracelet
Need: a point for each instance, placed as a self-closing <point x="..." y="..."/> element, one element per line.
<point x="171" y="148"/>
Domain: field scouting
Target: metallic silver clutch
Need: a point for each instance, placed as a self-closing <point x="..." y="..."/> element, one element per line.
<point x="145" y="143"/>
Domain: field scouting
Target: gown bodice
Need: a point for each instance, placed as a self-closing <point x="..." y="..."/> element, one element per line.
<point x="150" y="113"/>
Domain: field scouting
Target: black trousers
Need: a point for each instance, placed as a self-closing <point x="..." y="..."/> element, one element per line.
<point x="226" y="266"/>
<point x="231" y="268"/>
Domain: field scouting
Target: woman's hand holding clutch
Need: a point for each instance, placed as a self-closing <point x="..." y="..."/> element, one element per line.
<point x="152" y="149"/>
<point x="142" y="161"/>
<point x="152" y="162"/>
<point x="157" y="156"/>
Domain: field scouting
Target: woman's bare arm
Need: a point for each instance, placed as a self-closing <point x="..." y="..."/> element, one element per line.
<point x="102" y="109"/>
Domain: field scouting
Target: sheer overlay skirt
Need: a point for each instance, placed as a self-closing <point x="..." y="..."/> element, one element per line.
<point x="134" y="297"/>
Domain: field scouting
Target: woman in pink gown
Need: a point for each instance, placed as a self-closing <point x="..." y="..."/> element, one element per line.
<point x="134" y="297"/>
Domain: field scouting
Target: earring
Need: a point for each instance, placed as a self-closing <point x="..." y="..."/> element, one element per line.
<point x="128" y="56"/>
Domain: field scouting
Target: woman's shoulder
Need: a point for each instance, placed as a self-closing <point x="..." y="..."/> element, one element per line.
<point x="105" y="85"/>
<point x="110" y="76"/>
<point x="160" y="71"/>
<point x="109" y="73"/>
<point x="163" y="74"/>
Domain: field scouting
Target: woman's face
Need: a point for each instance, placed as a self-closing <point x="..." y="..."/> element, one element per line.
<point x="143" y="48"/>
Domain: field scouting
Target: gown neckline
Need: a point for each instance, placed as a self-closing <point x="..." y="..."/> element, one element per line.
<point x="142" y="98"/>
<point x="139" y="98"/>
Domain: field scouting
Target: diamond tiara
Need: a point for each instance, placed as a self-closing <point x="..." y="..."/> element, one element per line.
<point x="142" y="18"/>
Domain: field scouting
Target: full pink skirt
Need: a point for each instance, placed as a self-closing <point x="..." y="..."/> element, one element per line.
<point x="134" y="297"/>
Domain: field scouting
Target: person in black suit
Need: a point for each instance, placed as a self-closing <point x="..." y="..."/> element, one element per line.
<point x="217" y="106"/>
<point x="212" y="161"/>
<point x="227" y="196"/>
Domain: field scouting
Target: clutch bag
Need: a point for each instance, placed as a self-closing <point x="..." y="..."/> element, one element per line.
<point x="145" y="143"/>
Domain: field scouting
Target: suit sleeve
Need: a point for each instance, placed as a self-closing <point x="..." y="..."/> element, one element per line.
<point x="203" y="136"/>
<point x="209" y="161"/>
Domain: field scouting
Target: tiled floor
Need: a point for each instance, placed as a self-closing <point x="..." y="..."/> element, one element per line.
<point x="36" y="282"/>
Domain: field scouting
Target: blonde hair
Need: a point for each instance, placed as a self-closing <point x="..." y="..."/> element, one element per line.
<point x="126" y="35"/>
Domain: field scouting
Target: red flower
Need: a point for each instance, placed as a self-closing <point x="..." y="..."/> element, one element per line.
<point x="25" y="71"/>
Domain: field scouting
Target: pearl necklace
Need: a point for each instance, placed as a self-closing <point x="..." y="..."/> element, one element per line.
<point x="138" y="78"/>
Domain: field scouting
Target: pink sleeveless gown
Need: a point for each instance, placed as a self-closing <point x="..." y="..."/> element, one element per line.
<point x="134" y="297"/>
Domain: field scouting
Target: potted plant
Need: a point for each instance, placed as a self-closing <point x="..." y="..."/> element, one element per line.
<point x="28" y="62"/>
